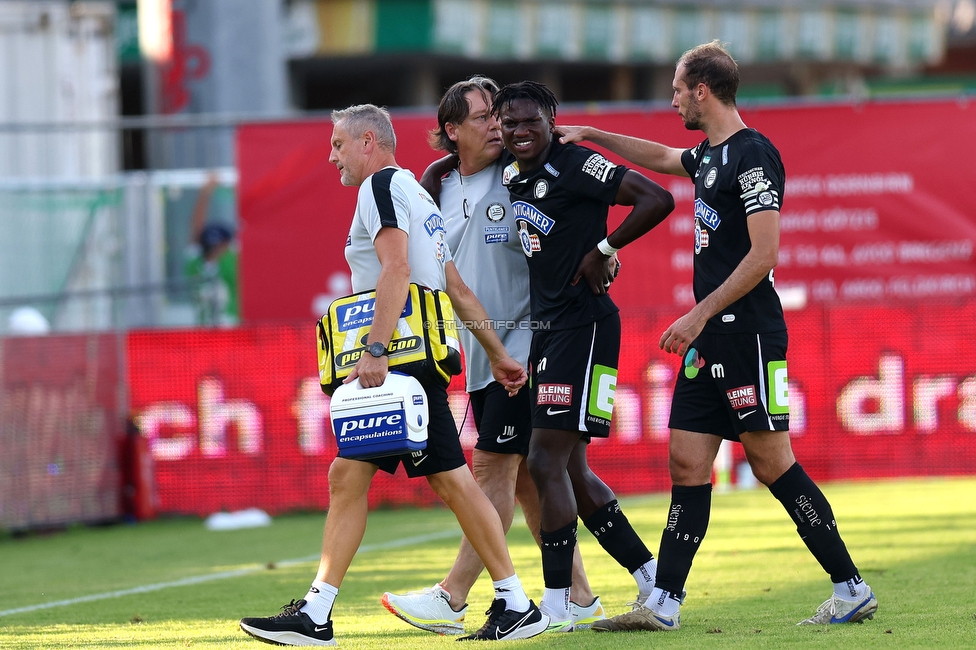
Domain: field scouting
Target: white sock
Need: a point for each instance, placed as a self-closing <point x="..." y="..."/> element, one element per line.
<point x="645" y="576"/>
<point x="556" y="603"/>
<point x="853" y="590"/>
<point x="662" y="602"/>
<point x="510" y="590"/>
<point x="319" y="601"/>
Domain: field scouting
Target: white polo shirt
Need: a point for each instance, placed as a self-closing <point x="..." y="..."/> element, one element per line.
<point x="393" y="198"/>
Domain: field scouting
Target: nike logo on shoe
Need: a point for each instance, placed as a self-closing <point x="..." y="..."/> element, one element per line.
<point x="664" y="621"/>
<point x="501" y="634"/>
<point x="321" y="629"/>
<point x="743" y="416"/>
<point x="549" y="411"/>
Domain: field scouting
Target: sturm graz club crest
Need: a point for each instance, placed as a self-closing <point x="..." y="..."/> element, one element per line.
<point x="495" y="212"/>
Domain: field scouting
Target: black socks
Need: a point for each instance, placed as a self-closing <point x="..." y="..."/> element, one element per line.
<point x="687" y="523"/>
<point x="557" y="556"/>
<point x="814" y="521"/>
<point x="617" y="537"/>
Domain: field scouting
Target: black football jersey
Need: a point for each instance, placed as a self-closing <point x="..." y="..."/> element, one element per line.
<point x="560" y="211"/>
<point x="734" y="179"/>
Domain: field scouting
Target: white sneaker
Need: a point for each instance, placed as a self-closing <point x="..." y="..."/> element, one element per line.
<point x="838" y="610"/>
<point x="558" y="623"/>
<point x="428" y="609"/>
<point x="584" y="617"/>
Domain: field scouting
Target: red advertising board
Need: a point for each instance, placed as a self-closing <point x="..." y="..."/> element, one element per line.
<point x="236" y="419"/>
<point x="876" y="207"/>
<point x="59" y="429"/>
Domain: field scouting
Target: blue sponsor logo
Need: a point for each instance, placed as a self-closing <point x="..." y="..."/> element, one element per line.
<point x="360" y="433"/>
<point x="532" y="214"/>
<point x="371" y="435"/>
<point x="434" y="223"/>
<point x="496" y="238"/>
<point x="417" y="399"/>
<point x="708" y="216"/>
<point x="360" y="314"/>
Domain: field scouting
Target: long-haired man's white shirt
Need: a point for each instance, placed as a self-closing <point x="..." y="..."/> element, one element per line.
<point x="484" y="243"/>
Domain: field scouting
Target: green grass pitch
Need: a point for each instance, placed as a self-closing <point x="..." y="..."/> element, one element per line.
<point x="913" y="540"/>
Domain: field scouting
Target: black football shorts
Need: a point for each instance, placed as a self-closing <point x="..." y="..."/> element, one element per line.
<point x="731" y="383"/>
<point x="574" y="377"/>
<point x="504" y="423"/>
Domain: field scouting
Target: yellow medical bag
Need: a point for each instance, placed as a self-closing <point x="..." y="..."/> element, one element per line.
<point x="424" y="343"/>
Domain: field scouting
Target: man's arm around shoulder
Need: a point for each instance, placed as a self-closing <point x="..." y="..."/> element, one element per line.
<point x="437" y="170"/>
<point x="650" y="155"/>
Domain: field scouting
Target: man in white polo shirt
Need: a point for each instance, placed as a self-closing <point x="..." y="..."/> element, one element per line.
<point x="397" y="237"/>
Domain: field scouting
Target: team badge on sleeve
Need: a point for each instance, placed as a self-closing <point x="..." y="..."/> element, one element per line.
<point x="599" y="168"/>
<point x="757" y="192"/>
<point x="510" y="172"/>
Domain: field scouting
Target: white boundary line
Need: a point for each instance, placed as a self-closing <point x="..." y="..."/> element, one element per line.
<point x="193" y="580"/>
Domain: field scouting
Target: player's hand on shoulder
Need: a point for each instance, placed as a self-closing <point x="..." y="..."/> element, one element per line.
<point x="596" y="269"/>
<point x="509" y="373"/>
<point x="567" y="134"/>
<point x="437" y="170"/>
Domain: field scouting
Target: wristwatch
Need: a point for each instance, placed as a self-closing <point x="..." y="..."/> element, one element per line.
<point x="377" y="349"/>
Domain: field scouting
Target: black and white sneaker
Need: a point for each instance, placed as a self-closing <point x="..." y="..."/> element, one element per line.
<point x="291" y="627"/>
<point x="507" y="624"/>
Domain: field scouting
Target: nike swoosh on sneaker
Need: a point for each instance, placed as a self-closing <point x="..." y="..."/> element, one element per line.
<point x="500" y="633"/>
<point x="743" y="416"/>
<point x="320" y="629"/>
<point x="847" y="617"/>
<point x="663" y="621"/>
<point x="549" y="411"/>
